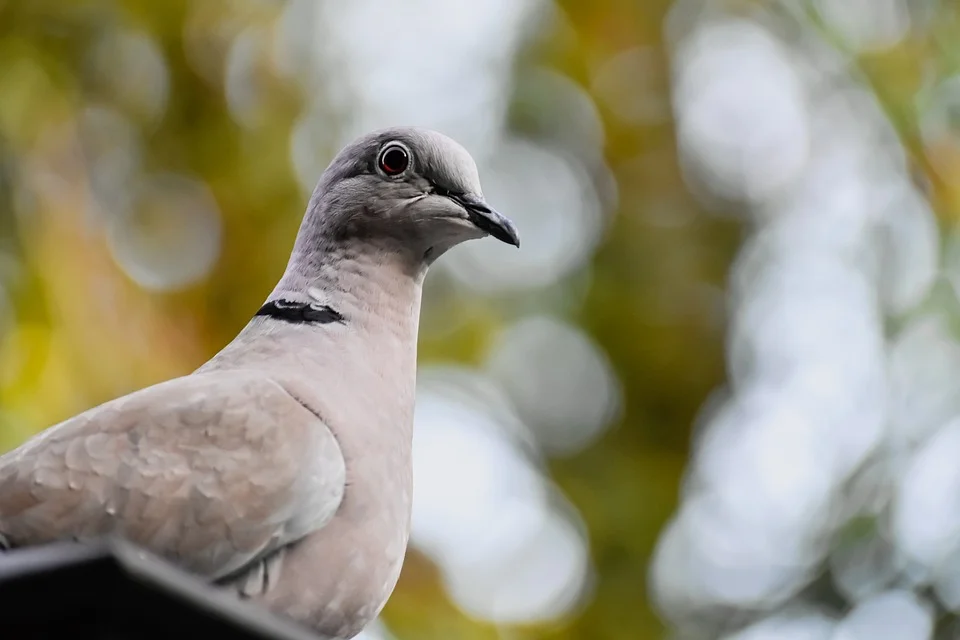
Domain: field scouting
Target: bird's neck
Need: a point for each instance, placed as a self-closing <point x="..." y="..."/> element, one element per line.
<point x="357" y="276"/>
<point x="350" y="310"/>
<point x="372" y="288"/>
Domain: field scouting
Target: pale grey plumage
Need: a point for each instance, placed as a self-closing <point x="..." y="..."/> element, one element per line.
<point x="281" y="469"/>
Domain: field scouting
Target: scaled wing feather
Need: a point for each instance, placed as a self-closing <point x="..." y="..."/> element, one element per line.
<point x="206" y="470"/>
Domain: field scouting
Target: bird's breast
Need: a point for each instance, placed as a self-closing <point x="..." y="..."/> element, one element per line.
<point x="339" y="578"/>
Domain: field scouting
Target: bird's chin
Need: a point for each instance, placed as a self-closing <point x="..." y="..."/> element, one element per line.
<point x="446" y="233"/>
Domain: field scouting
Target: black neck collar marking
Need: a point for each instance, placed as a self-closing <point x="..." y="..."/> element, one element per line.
<point x="300" y="312"/>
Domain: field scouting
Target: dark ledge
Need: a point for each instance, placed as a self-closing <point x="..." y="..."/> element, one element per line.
<point x="114" y="590"/>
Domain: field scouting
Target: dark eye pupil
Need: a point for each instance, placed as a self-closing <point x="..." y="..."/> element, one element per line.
<point x="393" y="161"/>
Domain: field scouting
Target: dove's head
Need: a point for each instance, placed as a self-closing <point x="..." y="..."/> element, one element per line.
<point x="410" y="188"/>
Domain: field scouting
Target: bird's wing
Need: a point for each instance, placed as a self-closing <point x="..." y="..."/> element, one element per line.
<point x="212" y="471"/>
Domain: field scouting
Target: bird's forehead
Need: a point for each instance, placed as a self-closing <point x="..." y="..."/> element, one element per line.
<point x="446" y="162"/>
<point x="439" y="158"/>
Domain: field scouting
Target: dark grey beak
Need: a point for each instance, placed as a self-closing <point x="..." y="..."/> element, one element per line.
<point x="488" y="219"/>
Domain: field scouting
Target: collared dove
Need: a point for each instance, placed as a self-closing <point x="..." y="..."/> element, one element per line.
<point x="281" y="468"/>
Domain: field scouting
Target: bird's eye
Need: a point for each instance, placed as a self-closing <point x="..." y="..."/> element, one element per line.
<point x="394" y="160"/>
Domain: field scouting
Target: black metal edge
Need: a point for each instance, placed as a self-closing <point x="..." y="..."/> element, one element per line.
<point x="155" y="573"/>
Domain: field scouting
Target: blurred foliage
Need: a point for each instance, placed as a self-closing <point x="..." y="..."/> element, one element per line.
<point x="78" y="331"/>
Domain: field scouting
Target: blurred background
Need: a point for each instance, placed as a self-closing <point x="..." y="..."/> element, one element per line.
<point x="715" y="395"/>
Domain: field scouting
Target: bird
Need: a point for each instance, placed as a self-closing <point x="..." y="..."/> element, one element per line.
<point x="281" y="469"/>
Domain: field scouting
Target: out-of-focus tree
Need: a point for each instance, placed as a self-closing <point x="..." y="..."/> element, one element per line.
<point x="723" y="238"/>
<point x="155" y="159"/>
<point x="820" y="500"/>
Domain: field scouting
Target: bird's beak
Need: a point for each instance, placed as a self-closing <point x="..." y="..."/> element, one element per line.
<point x="489" y="220"/>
